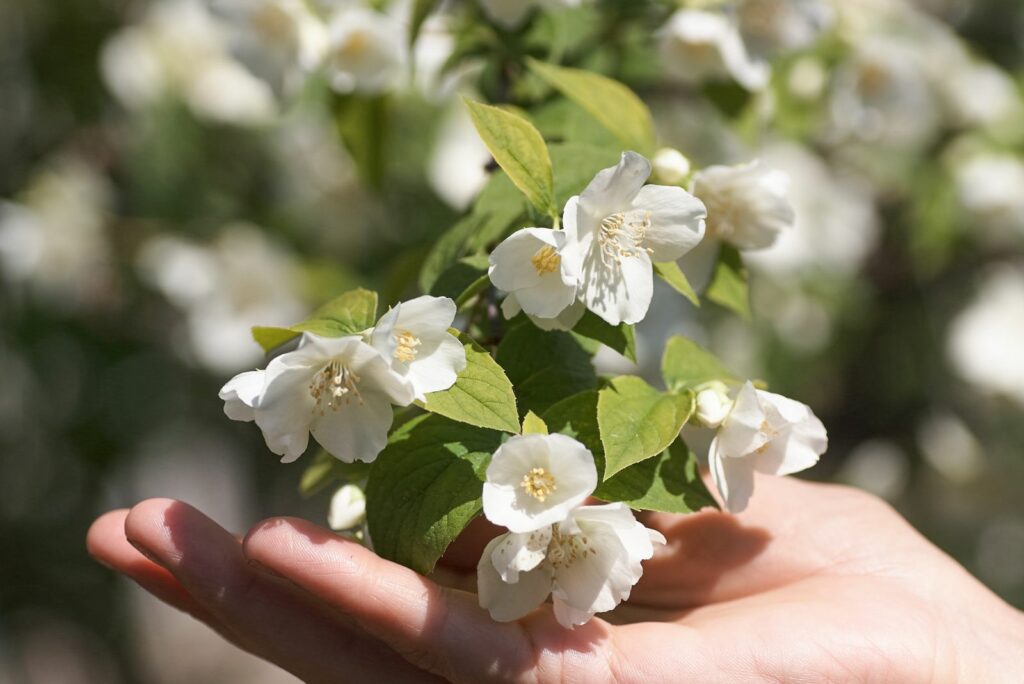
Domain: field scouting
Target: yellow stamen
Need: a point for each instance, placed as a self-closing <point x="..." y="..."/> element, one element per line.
<point x="546" y="260"/>
<point x="334" y="386"/>
<point x="539" y="483"/>
<point x="406" y="350"/>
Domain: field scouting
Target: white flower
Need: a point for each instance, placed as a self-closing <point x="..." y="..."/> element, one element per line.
<point x="290" y="29"/>
<point x="348" y="508"/>
<point x="511" y="13"/>
<point x="588" y="563"/>
<point x="536" y="480"/>
<point x="836" y="225"/>
<point x="747" y="204"/>
<point x="697" y="46"/>
<point x="539" y="268"/>
<point x="670" y="166"/>
<point x="364" y="51"/>
<point x="713" y="405"/>
<point x="763" y="432"/>
<point x="457" y="168"/>
<point x="55" y="238"/>
<point x="414" y="337"/>
<point x="181" y="49"/>
<point x="340" y="389"/>
<point x="989" y="186"/>
<point x="622" y="226"/>
<point x="242" y="276"/>
<point x="986" y="338"/>
<point x="772" y="26"/>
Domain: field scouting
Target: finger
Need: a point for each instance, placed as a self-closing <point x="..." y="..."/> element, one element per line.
<point x="439" y="629"/>
<point x="266" y="616"/>
<point x="106" y="542"/>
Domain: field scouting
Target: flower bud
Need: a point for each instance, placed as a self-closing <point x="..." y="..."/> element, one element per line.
<point x="348" y="508"/>
<point x="713" y="405"/>
<point x="670" y="166"/>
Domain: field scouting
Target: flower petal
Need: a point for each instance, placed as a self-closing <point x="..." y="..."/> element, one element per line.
<point x="241" y="393"/>
<point x="285" y="408"/>
<point x="677" y="220"/>
<point x="741" y="432"/>
<point x="504" y="601"/>
<point x="511" y="262"/>
<point x="438" y="370"/>
<point x="357" y="430"/>
<point x="734" y="478"/>
<point x="620" y="291"/>
<point x="614" y="188"/>
<point x="518" y="553"/>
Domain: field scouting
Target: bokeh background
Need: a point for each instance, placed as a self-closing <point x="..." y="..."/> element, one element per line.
<point x="169" y="178"/>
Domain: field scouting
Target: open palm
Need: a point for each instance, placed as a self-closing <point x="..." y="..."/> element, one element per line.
<point x="813" y="583"/>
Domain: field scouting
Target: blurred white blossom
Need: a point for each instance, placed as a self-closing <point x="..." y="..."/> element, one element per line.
<point x="457" y="167"/>
<point x="365" y="51"/>
<point x="223" y="288"/>
<point x="698" y="46"/>
<point x="747" y="204"/>
<point x="348" y="508"/>
<point x="776" y="26"/>
<point x="54" y="238"/>
<point x="180" y="49"/>
<point x="835" y="222"/>
<point x="990" y="185"/>
<point x="986" y="338"/>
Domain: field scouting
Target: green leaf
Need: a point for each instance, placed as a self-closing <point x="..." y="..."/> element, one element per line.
<point x="326" y="470"/>
<point x="544" y="366"/>
<point x="533" y="425"/>
<point x="482" y="395"/>
<point x="670" y="272"/>
<point x="610" y="102"/>
<point x="728" y="285"/>
<point x="520" y="151"/>
<point x="425" y="487"/>
<point x="669" y="483"/>
<point x="576" y="416"/>
<point x="637" y="421"/>
<point x="496" y="209"/>
<point x="347" y="314"/>
<point x="685" y="364"/>
<point x="464" y="279"/>
<point x="621" y="338"/>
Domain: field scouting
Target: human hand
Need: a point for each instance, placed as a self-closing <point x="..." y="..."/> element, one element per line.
<point x="812" y="583"/>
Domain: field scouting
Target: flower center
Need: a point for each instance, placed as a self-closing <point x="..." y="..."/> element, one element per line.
<point x="334" y="385"/>
<point x="355" y="47"/>
<point x="539" y="483"/>
<point x="566" y="549"/>
<point x="546" y="260"/>
<point x="621" y="236"/>
<point x="406" y="350"/>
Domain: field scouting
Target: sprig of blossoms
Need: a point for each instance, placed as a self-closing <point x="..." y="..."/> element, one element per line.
<point x="614" y="231"/>
<point x="586" y="557"/>
<point x="341" y="389"/>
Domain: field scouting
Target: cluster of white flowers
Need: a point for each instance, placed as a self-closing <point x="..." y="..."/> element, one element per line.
<point x="587" y="558"/>
<point x="341" y="389"/>
<point x="221" y="287"/>
<point x="757" y="431"/>
<point x="618" y="228"/>
<point x="602" y="260"/>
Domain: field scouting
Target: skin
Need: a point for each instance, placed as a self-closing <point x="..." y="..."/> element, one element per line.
<point x="813" y="583"/>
